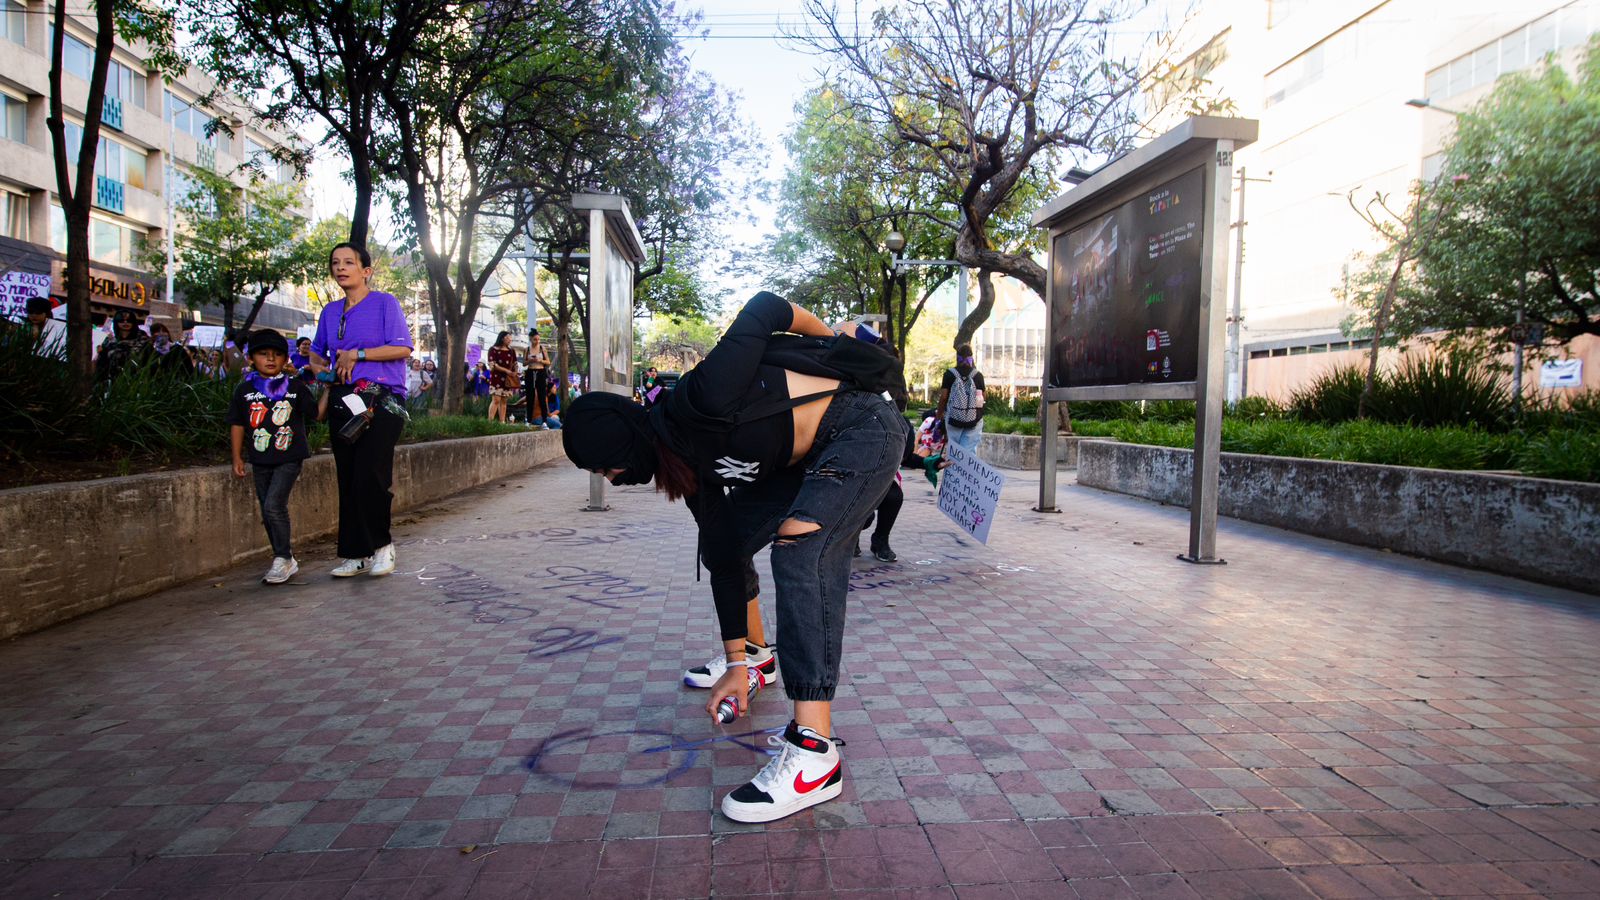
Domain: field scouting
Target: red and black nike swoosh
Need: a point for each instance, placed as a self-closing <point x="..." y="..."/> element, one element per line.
<point x="802" y="786"/>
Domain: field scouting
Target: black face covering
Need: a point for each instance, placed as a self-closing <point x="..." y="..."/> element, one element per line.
<point x="606" y="431"/>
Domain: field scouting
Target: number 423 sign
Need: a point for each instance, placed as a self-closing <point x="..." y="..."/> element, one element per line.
<point x="969" y="491"/>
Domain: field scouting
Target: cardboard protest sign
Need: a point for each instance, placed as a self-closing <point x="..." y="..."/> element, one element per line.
<point x="969" y="491"/>
<point x="16" y="289"/>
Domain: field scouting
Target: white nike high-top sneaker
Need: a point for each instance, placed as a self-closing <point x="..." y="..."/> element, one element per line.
<point x="806" y="771"/>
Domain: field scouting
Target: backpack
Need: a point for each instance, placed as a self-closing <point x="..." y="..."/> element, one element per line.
<point x="961" y="409"/>
<point x="856" y="364"/>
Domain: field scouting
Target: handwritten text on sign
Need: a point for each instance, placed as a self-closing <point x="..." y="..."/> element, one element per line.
<point x="969" y="491"/>
<point x="17" y="288"/>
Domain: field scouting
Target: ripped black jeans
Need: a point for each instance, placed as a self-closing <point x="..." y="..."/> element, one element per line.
<point x="849" y="469"/>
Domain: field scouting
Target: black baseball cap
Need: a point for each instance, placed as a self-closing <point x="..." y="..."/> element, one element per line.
<point x="267" y="339"/>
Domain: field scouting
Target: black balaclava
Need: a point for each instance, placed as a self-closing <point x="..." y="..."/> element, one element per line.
<point x="607" y="431"/>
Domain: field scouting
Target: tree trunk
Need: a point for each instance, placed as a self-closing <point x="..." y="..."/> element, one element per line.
<point x="255" y="310"/>
<point x="563" y="333"/>
<point x="979" y="313"/>
<point x="1379" y="323"/>
<point x="451" y="348"/>
<point x="361" y="213"/>
<point x="77" y="193"/>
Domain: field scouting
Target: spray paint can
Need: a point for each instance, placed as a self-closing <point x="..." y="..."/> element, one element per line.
<point x="728" y="709"/>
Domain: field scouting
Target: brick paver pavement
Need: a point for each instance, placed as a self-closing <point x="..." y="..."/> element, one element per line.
<point x="1071" y="712"/>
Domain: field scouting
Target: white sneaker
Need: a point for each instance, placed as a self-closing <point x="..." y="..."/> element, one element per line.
<point x="352" y="567"/>
<point x="761" y="658"/>
<point x="282" y="570"/>
<point x="383" y="560"/>
<point x="807" y="771"/>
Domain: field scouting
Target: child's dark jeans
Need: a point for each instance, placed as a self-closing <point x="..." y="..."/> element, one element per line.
<point x="273" y="484"/>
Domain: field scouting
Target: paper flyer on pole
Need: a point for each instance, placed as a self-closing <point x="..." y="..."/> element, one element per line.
<point x="969" y="491"/>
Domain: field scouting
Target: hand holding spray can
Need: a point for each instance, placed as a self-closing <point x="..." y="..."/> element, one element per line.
<point x="728" y="709"/>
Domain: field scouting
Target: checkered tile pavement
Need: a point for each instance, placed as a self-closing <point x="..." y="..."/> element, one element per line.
<point x="1070" y="712"/>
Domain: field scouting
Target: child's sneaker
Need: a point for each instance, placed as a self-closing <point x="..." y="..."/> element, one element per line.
<point x="762" y="659"/>
<point x="807" y="771"/>
<point x="351" y="567"/>
<point x="383" y="560"/>
<point x="282" y="570"/>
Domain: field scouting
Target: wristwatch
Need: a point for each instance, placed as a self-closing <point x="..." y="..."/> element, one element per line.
<point x="361" y="354"/>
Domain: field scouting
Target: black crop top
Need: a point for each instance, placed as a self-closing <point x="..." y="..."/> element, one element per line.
<point x="694" y="423"/>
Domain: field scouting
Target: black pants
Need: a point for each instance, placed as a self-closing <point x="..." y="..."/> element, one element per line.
<point x="850" y="466"/>
<point x="273" y="484"/>
<point x="366" y="472"/>
<point x="538" y="395"/>
<point x="888" y="511"/>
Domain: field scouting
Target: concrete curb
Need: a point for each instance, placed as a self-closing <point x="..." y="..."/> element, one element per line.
<point x="1021" y="451"/>
<point x="78" y="547"/>
<point x="1534" y="528"/>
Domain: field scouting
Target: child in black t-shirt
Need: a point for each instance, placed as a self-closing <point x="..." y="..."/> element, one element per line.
<point x="272" y="412"/>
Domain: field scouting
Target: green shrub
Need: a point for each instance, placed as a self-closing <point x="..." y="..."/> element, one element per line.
<point x="1169" y="410"/>
<point x="1272" y="438"/>
<point x="1256" y="408"/>
<point x="1333" y="396"/>
<point x="1102" y="410"/>
<point x="438" y="428"/>
<point x="1558" y="410"/>
<point x="1568" y="454"/>
<point x="998" y="424"/>
<point x="997" y="402"/>
<point x="1395" y="445"/>
<point x="1443" y="389"/>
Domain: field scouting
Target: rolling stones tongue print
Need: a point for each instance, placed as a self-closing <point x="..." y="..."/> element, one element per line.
<point x="281" y="440"/>
<point x="258" y="413"/>
<point x="280" y="412"/>
<point x="261" y="438"/>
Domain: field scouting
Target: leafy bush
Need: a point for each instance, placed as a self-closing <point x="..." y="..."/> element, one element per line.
<point x="1333" y="396"/>
<point x="439" y="428"/>
<point x="1169" y="410"/>
<point x="1557" y="410"/>
<point x="1568" y="454"/>
<point x="1442" y="389"/>
<point x="1092" y="410"/>
<point x="998" y="403"/>
<point x="1256" y="408"/>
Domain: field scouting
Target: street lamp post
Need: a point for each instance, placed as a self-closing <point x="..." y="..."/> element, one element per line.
<point x="896" y="242"/>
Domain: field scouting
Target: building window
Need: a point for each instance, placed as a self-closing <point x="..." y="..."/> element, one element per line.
<point x="1312" y="66"/>
<point x="190" y="120"/>
<point x="1280" y="10"/>
<point x="14" y="215"/>
<point x="112" y="159"/>
<point x="109" y="242"/>
<point x="13" y="119"/>
<point x="125" y="84"/>
<point x="13" y="22"/>
<point x="1569" y="26"/>
<point x="77" y="57"/>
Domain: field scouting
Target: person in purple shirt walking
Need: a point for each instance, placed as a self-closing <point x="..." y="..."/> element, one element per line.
<point x="365" y="342"/>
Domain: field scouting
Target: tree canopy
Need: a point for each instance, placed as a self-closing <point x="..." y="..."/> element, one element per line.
<point x="1522" y="230"/>
<point x="992" y="98"/>
<point x="1510" y="225"/>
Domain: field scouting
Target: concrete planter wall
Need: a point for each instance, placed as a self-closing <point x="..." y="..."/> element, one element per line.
<point x="74" y="548"/>
<point x="1531" y="528"/>
<point x="1021" y="451"/>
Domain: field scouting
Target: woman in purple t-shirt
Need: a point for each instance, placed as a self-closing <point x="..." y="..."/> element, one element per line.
<point x="364" y="340"/>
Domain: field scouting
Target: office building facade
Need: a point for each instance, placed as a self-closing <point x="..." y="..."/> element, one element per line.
<point x="152" y="136"/>
<point x="1329" y="81"/>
